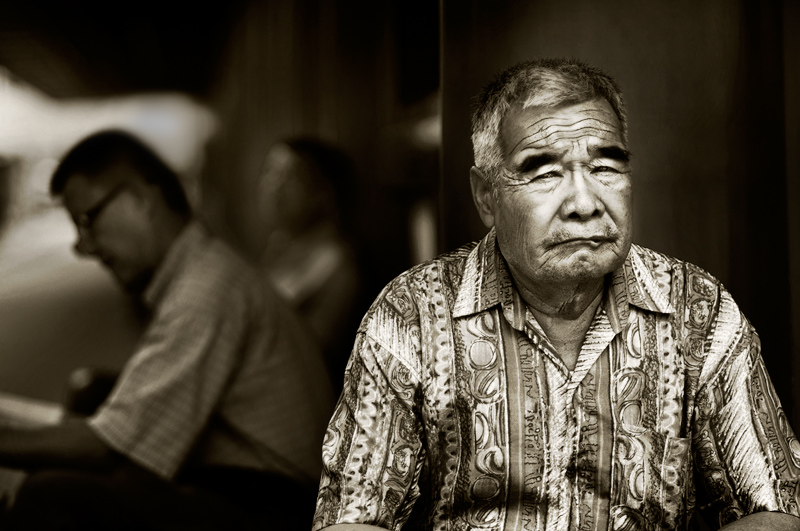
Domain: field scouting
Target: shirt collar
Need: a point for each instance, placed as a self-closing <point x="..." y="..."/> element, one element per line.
<point x="637" y="284"/>
<point x="486" y="282"/>
<point x="188" y="239"/>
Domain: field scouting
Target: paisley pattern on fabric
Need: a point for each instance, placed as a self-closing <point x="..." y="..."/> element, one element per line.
<point x="458" y="414"/>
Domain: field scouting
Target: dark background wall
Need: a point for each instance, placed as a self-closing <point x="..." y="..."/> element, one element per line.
<point x="791" y="63"/>
<point x="706" y="85"/>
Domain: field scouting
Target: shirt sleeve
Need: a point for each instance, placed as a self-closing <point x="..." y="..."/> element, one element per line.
<point x="373" y="451"/>
<point x="746" y="454"/>
<point x="172" y="384"/>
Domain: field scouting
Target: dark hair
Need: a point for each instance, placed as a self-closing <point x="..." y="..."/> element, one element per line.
<point x="100" y="151"/>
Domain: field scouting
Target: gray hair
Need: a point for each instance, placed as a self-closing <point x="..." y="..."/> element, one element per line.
<point x="540" y="82"/>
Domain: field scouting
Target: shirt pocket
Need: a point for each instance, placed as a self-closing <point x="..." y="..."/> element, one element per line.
<point x="650" y="481"/>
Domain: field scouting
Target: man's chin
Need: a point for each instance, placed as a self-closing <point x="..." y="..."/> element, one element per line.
<point x="586" y="264"/>
<point x="134" y="285"/>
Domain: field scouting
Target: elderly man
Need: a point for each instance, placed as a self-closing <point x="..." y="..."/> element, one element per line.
<point x="553" y="376"/>
<point x="217" y="418"/>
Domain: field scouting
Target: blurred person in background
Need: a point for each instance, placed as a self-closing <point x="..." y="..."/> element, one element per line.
<point x="554" y="376"/>
<point x="5" y="186"/>
<point x="306" y="202"/>
<point x="216" y="420"/>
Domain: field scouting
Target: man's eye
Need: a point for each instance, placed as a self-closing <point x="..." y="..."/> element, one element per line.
<point x="546" y="175"/>
<point x="605" y="169"/>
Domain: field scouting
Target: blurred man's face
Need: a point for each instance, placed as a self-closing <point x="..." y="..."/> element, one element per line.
<point x="286" y="199"/>
<point x="562" y="207"/>
<point x="113" y="226"/>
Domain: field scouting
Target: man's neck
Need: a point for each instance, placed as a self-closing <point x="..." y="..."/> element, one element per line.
<point x="170" y="226"/>
<point x="565" y="314"/>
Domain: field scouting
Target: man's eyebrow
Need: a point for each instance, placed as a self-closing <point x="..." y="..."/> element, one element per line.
<point x="532" y="162"/>
<point x="613" y="153"/>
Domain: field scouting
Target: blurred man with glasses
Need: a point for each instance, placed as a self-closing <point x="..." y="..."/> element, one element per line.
<point x="216" y="420"/>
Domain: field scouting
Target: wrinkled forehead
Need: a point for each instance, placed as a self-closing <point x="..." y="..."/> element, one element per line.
<point x="540" y="127"/>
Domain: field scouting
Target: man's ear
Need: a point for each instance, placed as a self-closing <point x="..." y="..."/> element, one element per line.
<point x="482" y="195"/>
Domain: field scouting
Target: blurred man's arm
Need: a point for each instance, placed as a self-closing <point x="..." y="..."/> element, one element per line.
<point x="765" y="521"/>
<point x="70" y="444"/>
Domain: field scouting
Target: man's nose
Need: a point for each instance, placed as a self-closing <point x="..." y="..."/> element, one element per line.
<point x="580" y="201"/>
<point x="84" y="245"/>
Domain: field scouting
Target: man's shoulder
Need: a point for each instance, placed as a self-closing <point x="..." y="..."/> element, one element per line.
<point x="415" y="287"/>
<point x="692" y="291"/>
<point x="219" y="254"/>
<point x="211" y="267"/>
<point x="400" y="318"/>
<point x="656" y="262"/>
<point x="447" y="268"/>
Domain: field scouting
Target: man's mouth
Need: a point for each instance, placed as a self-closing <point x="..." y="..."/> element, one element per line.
<point x="588" y="240"/>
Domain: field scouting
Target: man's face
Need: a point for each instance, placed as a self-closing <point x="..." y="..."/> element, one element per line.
<point x="113" y="226"/>
<point x="284" y="195"/>
<point x="562" y="206"/>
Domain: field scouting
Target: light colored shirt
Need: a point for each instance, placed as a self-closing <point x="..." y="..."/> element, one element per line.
<point x="457" y="412"/>
<point x="224" y="374"/>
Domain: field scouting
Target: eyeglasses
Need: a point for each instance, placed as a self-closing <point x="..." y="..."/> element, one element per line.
<point x="85" y="221"/>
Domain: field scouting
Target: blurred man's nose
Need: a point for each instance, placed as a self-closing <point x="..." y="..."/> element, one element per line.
<point x="581" y="201"/>
<point x="84" y="245"/>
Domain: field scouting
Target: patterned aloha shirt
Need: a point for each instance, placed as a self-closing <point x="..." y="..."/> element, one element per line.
<point x="457" y="413"/>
